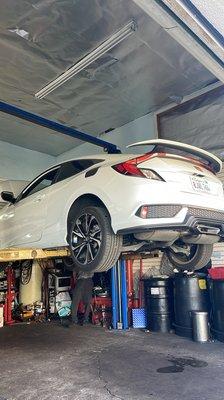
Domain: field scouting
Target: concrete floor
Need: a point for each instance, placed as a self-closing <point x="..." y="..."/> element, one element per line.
<point x="48" y="361"/>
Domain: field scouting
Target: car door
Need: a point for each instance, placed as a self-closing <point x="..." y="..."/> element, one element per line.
<point x="24" y="220"/>
<point x="64" y="186"/>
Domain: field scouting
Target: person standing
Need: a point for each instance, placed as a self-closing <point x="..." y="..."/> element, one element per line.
<point x="82" y="292"/>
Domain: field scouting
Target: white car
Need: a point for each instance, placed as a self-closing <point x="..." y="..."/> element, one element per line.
<point x="168" y="199"/>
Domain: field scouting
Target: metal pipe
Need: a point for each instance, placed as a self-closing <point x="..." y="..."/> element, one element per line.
<point x="124" y="297"/>
<point x="55" y="126"/>
<point x="140" y="284"/>
<point x="114" y="296"/>
<point x="130" y="283"/>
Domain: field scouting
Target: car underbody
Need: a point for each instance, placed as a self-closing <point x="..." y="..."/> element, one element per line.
<point x="199" y="227"/>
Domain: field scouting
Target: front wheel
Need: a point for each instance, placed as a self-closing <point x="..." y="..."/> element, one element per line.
<point x="193" y="257"/>
<point x="93" y="244"/>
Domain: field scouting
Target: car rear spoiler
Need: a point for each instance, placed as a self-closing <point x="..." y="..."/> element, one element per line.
<point x="212" y="161"/>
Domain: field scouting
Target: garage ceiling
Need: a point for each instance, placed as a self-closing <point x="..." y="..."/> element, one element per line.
<point x="41" y="39"/>
<point x="212" y="10"/>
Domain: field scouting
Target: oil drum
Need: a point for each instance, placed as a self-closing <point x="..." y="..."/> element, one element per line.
<point x="159" y="303"/>
<point x="216" y="287"/>
<point x="190" y="294"/>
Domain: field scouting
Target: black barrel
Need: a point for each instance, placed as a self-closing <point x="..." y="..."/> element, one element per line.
<point x="159" y="303"/>
<point x="217" y="303"/>
<point x="190" y="294"/>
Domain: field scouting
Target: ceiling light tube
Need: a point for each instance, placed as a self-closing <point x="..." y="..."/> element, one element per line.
<point x="103" y="48"/>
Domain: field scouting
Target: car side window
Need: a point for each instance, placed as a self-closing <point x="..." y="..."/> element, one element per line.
<point x="72" y="168"/>
<point x="43" y="182"/>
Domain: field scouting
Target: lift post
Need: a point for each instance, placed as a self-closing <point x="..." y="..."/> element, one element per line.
<point x="114" y="297"/>
<point x="119" y="296"/>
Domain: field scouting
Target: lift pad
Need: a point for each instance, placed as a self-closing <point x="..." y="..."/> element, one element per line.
<point x="15" y="254"/>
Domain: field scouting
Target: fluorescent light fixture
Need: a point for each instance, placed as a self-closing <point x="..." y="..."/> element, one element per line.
<point x="103" y="48"/>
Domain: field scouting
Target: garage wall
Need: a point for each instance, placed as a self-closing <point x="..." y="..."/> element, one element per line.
<point x="20" y="163"/>
<point x="198" y="122"/>
<point x="140" y="129"/>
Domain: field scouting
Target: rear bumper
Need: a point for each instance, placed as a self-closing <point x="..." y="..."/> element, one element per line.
<point x="194" y="217"/>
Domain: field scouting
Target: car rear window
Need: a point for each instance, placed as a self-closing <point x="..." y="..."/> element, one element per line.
<point x="72" y="168"/>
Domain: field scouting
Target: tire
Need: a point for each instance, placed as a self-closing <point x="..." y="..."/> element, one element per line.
<point x="200" y="256"/>
<point x="166" y="267"/>
<point x="68" y="264"/>
<point x="93" y="245"/>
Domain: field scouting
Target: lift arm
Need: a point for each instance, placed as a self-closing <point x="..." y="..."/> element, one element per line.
<point x="15" y="254"/>
<point x="55" y="126"/>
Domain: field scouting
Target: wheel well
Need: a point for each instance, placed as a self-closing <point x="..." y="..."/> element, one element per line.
<point x="89" y="199"/>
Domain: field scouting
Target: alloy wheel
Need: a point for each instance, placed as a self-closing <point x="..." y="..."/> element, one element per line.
<point x="86" y="238"/>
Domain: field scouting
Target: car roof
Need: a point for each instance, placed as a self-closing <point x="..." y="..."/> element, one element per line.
<point x="104" y="157"/>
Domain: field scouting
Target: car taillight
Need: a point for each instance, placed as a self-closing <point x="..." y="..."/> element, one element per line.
<point x="132" y="168"/>
<point x="127" y="168"/>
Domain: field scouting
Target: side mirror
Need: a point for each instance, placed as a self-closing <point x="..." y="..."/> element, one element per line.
<point x="8" y="196"/>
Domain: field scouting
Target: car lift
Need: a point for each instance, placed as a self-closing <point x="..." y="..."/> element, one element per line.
<point x="14" y="254"/>
<point x="21" y="254"/>
<point x="121" y="273"/>
<point x="120" y="297"/>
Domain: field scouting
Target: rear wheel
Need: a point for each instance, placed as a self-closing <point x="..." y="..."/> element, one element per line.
<point x="93" y="244"/>
<point x="193" y="257"/>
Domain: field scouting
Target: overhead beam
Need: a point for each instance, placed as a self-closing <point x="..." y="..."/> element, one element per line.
<point x="55" y="126"/>
<point x="191" y="16"/>
<point x="186" y="32"/>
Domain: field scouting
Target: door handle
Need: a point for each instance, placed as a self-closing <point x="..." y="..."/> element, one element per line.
<point x="39" y="198"/>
